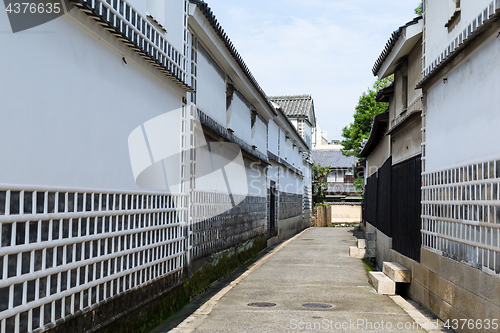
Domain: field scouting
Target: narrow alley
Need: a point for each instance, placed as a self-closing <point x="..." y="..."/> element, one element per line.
<point x="315" y="285"/>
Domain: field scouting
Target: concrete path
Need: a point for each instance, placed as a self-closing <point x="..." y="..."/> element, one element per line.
<point x="314" y="267"/>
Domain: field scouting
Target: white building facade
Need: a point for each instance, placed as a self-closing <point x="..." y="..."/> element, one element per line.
<point x="457" y="268"/>
<point x="136" y="145"/>
<point x="460" y="167"/>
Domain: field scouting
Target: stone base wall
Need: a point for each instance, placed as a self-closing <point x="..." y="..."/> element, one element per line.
<point x="451" y="290"/>
<point x="143" y="309"/>
<point x="104" y="318"/>
<point x="219" y="245"/>
<point x="233" y="227"/>
<point x="290" y="205"/>
<point x="384" y="245"/>
<point x="308" y="217"/>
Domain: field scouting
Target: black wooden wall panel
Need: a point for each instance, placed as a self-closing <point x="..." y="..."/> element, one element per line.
<point x="405" y="212"/>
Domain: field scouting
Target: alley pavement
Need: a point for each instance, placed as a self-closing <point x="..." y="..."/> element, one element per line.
<point x="315" y="286"/>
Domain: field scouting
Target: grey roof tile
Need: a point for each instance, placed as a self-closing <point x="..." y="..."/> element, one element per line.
<point x="390" y="45"/>
<point x="341" y="188"/>
<point x="333" y="158"/>
<point x="294" y="106"/>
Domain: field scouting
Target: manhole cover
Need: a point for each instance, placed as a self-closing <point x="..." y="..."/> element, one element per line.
<point x="262" y="304"/>
<point x="308" y="239"/>
<point x="317" y="305"/>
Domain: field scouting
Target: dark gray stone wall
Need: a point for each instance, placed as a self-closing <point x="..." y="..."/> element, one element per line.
<point x="233" y="227"/>
<point x="290" y="205"/>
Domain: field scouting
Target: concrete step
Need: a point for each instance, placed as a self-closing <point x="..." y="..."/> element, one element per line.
<point x="397" y="272"/>
<point x="382" y="284"/>
<point x="361" y="243"/>
<point x="364" y="244"/>
<point x="354" y="251"/>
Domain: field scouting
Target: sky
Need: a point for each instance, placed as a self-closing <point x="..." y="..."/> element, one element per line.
<point x="325" y="48"/>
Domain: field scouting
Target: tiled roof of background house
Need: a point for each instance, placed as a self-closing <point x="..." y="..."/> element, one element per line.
<point x="333" y="158"/>
<point x="294" y="106"/>
<point x="341" y="188"/>
<point x="390" y="45"/>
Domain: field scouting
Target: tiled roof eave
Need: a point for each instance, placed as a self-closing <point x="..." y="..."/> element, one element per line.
<point x="93" y="13"/>
<point x="404" y="121"/>
<point x="294" y="106"/>
<point x="377" y="132"/>
<point x="390" y="45"/>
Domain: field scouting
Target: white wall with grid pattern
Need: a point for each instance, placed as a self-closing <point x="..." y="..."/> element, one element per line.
<point x="64" y="250"/>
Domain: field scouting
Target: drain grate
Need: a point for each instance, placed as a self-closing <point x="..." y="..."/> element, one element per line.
<point x="307" y="239"/>
<point x="317" y="305"/>
<point x="262" y="304"/>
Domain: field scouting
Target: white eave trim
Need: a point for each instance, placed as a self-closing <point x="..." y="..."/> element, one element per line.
<point x="407" y="40"/>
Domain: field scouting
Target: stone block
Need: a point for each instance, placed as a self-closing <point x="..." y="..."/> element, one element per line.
<point x="468" y="303"/>
<point x="430" y="260"/>
<point x="361" y="243"/>
<point x="489" y="288"/>
<point x="382" y="284"/>
<point x="354" y="251"/>
<point x="492" y="311"/>
<point x="416" y="291"/>
<point x="433" y="282"/>
<point x="419" y="274"/>
<point x="370" y="253"/>
<point x="371" y="244"/>
<point x="371" y="236"/>
<point x="397" y="272"/>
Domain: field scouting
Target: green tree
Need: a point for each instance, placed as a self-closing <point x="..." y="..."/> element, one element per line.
<point x="320" y="186"/>
<point x="419" y="10"/>
<point x="359" y="184"/>
<point x="364" y="112"/>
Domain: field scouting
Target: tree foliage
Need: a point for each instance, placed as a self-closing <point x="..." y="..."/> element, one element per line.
<point x="359" y="184"/>
<point x="364" y="112"/>
<point x="419" y="10"/>
<point x="320" y="186"/>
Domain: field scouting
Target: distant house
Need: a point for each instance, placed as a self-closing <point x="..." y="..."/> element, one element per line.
<point x="341" y="177"/>
<point x="300" y="110"/>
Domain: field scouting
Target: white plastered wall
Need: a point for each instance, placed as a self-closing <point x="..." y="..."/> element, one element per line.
<point x="465" y="127"/>
<point x="59" y="125"/>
